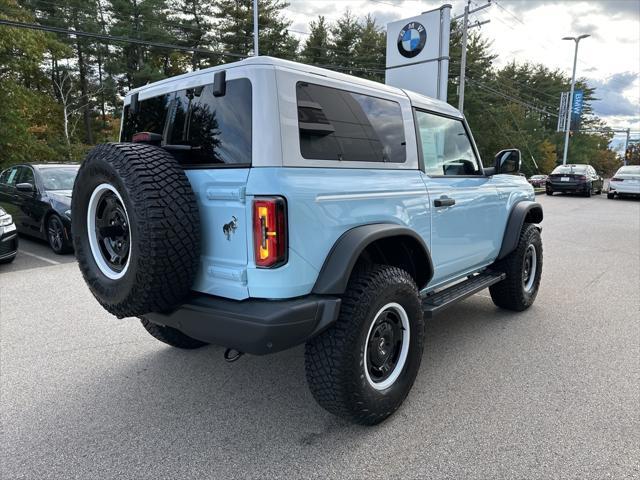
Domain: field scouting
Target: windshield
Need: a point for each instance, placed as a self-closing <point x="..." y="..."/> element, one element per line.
<point x="537" y="177"/>
<point x="580" y="169"/>
<point x="630" y="170"/>
<point x="61" y="178"/>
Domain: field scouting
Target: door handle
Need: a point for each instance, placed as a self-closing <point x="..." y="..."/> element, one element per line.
<point x="444" y="202"/>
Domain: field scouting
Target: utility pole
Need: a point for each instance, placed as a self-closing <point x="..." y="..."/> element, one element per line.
<point x="573" y="84"/>
<point x="463" y="60"/>
<point x="255" y="28"/>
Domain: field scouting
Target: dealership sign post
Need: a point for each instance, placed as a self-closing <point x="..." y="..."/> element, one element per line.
<point x="418" y="53"/>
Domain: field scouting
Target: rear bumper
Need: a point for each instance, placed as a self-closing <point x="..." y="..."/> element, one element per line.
<point x="568" y="187"/>
<point x="254" y="326"/>
<point x="620" y="187"/>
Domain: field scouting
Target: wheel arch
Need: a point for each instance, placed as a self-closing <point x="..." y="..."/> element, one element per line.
<point x="377" y="243"/>
<point x="522" y="212"/>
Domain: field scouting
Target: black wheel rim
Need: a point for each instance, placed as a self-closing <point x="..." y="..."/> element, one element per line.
<point x="529" y="268"/>
<point x="112" y="231"/>
<point x="384" y="345"/>
<point x="56" y="234"/>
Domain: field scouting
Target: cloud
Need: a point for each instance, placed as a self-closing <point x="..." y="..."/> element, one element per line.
<point x="610" y="92"/>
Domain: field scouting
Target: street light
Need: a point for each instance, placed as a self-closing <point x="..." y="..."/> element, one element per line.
<point x="573" y="83"/>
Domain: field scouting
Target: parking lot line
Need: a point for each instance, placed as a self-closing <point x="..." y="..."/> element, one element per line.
<point x="52" y="262"/>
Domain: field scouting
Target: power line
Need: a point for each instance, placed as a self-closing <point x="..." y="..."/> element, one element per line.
<point x="509" y="97"/>
<point x="114" y="38"/>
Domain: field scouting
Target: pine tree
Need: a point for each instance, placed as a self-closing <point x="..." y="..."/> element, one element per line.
<point x="236" y="28"/>
<point x="194" y="20"/>
<point x="370" y="50"/>
<point x="345" y="35"/>
<point x="316" y="47"/>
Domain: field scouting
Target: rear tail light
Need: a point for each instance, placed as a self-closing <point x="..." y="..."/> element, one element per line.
<point x="614" y="179"/>
<point x="269" y="231"/>
<point x="146" y="137"/>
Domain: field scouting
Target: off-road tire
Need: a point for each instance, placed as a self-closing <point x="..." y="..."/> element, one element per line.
<point x="171" y="336"/>
<point x="510" y="293"/>
<point x="334" y="360"/>
<point x="164" y="227"/>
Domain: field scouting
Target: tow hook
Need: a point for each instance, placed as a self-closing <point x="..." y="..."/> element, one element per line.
<point x="231" y="355"/>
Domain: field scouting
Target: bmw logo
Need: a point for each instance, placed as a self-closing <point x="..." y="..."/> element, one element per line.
<point x="411" y="39"/>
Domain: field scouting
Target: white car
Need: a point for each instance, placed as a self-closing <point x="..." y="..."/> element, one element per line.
<point x="625" y="182"/>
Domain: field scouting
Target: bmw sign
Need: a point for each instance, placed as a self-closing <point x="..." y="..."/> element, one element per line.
<point x="412" y="39"/>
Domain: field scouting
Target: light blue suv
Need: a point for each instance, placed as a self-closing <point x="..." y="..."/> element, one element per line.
<point x="265" y="204"/>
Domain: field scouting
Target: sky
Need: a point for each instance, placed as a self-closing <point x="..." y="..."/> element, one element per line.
<point x="532" y="30"/>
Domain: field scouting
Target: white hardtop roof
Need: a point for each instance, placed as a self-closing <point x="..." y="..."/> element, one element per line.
<point x="416" y="99"/>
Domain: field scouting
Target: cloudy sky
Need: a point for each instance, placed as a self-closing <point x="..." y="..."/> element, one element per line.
<point x="531" y="30"/>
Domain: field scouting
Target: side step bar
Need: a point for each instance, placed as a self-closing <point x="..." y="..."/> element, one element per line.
<point x="434" y="303"/>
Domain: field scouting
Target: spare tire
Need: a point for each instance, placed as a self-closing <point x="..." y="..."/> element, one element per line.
<point x="135" y="227"/>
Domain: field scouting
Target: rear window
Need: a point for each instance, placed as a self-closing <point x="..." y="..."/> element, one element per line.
<point x="341" y="125"/>
<point x="630" y="170"/>
<point x="199" y="128"/>
<point x="579" y="169"/>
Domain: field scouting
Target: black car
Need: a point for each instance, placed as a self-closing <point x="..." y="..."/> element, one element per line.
<point x="38" y="196"/>
<point x="8" y="238"/>
<point x="574" y="178"/>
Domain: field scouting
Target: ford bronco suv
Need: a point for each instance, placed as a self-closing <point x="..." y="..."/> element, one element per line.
<point x="264" y="204"/>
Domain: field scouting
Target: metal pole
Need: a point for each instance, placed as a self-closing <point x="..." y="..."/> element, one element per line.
<point x="463" y="60"/>
<point x="255" y="28"/>
<point x="573" y="84"/>
<point x="626" y="145"/>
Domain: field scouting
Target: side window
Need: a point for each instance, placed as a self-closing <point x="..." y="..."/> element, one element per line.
<point x="446" y="148"/>
<point x="4" y="176"/>
<point x="340" y="125"/>
<point x="26" y="176"/>
<point x="217" y="129"/>
<point x="150" y="117"/>
<point x="12" y="177"/>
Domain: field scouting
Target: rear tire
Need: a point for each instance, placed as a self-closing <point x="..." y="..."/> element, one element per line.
<point x="611" y="196"/>
<point x="549" y="192"/>
<point x="57" y="237"/>
<point x="523" y="267"/>
<point x="364" y="365"/>
<point x="136" y="228"/>
<point x="171" y="336"/>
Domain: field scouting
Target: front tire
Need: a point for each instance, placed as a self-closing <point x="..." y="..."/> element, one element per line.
<point x="363" y="367"/>
<point x="523" y="267"/>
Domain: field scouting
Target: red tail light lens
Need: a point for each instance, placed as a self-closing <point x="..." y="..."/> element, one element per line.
<point x="269" y="231"/>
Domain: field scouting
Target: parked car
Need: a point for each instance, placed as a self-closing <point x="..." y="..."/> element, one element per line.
<point x="265" y="204"/>
<point x="626" y="182"/>
<point x="574" y="178"/>
<point x="538" y="180"/>
<point x="8" y="238"/>
<point x="38" y="196"/>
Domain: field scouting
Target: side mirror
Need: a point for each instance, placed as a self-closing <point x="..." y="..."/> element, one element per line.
<point x="508" y="161"/>
<point x="25" y="187"/>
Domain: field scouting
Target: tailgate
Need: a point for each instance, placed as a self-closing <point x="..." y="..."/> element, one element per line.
<point x="223" y="223"/>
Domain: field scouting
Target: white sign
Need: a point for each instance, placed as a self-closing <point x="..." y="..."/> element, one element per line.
<point x="418" y="53"/>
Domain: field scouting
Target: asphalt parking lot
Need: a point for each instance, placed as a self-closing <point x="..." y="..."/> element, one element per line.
<point x="553" y="392"/>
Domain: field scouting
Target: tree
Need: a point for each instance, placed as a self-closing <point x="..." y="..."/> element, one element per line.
<point x="370" y="49"/>
<point x="345" y="33"/>
<point x="548" y="156"/>
<point x="194" y="20"/>
<point x="236" y="28"/>
<point x="316" y="47"/>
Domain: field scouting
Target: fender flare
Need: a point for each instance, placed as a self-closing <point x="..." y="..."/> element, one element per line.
<point x="346" y="251"/>
<point x="519" y="213"/>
